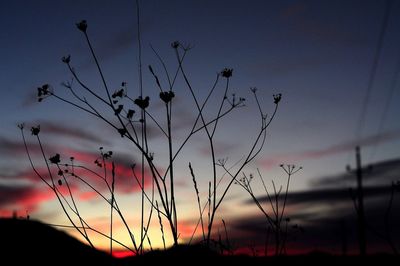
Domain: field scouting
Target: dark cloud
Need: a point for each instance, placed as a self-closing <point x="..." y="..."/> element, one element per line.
<point x="377" y="183"/>
<point x="112" y="46"/>
<point x="8" y="146"/>
<point x="76" y="133"/>
<point x="16" y="146"/>
<point x="18" y="175"/>
<point x="116" y="44"/>
<point x="328" y="195"/>
<point x="22" y="197"/>
<point x="379" y="173"/>
<point x="10" y="194"/>
<point x="331" y="150"/>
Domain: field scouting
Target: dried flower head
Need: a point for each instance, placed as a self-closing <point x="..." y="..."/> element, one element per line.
<point x="82" y="26"/>
<point x="118" y="110"/>
<point x="142" y="103"/>
<point x="130" y="114"/>
<point x="175" y="44"/>
<point x="119" y="93"/>
<point x="66" y="59"/>
<point x="43" y="92"/>
<point x="122" y="131"/>
<point x="99" y="164"/>
<point x="290" y="169"/>
<point x="166" y="96"/>
<point x="277" y="98"/>
<point x="55" y="159"/>
<point x="227" y="72"/>
<point x="221" y="162"/>
<point x="107" y="155"/>
<point x="35" y="130"/>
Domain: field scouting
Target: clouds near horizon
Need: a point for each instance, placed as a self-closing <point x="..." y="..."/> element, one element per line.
<point x="326" y="211"/>
<point x="296" y="157"/>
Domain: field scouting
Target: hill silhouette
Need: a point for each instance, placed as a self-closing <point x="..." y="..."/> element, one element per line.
<point x="27" y="241"/>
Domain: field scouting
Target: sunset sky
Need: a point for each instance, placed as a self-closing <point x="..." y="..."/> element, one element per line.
<point x="336" y="64"/>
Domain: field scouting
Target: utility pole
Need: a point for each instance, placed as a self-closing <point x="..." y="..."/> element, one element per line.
<point x="343" y="234"/>
<point x="359" y="203"/>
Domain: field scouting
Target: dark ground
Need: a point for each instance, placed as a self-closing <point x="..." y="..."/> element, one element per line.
<point x="25" y="241"/>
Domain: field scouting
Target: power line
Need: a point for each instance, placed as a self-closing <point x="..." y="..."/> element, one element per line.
<point x="386" y="108"/>
<point x="372" y="74"/>
<point x="371" y="79"/>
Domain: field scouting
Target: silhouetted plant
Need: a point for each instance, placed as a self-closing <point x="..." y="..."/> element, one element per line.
<point x="52" y="185"/>
<point x="228" y="245"/>
<point x="214" y="202"/>
<point x="125" y="118"/>
<point x="275" y="219"/>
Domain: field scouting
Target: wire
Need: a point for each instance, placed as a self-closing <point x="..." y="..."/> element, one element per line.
<point x="374" y="68"/>
<point x="372" y="74"/>
<point x="382" y="121"/>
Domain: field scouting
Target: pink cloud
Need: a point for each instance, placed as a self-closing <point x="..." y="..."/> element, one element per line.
<point x="23" y="198"/>
<point x="88" y="195"/>
<point x="124" y="179"/>
<point x="186" y="229"/>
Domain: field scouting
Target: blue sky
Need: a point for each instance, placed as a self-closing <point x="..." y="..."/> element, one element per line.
<point x="319" y="55"/>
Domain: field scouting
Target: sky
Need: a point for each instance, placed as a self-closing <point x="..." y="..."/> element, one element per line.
<point x="336" y="64"/>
